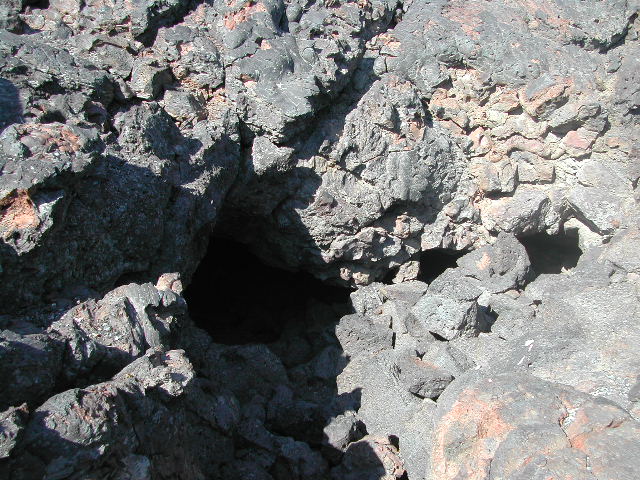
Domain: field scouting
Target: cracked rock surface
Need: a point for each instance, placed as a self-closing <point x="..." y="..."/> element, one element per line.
<point x="464" y="173"/>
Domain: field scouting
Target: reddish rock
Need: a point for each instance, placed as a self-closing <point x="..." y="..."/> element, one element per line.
<point x="518" y="426"/>
<point x="17" y="212"/>
<point x="231" y="20"/>
<point x="580" y="139"/>
<point x="542" y="98"/>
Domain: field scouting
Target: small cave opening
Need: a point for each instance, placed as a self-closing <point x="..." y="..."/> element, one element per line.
<point x="36" y="4"/>
<point x="435" y="261"/>
<point x="551" y="254"/>
<point x="239" y="300"/>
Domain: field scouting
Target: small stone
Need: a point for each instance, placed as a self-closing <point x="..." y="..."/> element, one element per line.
<point x="148" y="80"/>
<point x="183" y="105"/>
<point x="580" y="140"/>
<point x="170" y="281"/>
<point x="421" y="378"/>
<point x="450" y="308"/>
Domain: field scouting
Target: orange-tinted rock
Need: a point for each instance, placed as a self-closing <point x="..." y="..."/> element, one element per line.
<point x="17" y="213"/>
<point x="231" y="20"/>
<point x="467" y="16"/>
<point x="504" y="100"/>
<point x="580" y="139"/>
<point x="517" y="426"/>
<point x="539" y="101"/>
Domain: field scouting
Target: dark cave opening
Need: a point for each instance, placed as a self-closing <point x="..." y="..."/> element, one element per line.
<point x="434" y="262"/>
<point x="551" y="253"/>
<point x="279" y="354"/>
<point x="37" y="4"/>
<point x="238" y="299"/>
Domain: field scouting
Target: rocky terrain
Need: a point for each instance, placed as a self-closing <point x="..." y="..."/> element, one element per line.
<point x="319" y="239"/>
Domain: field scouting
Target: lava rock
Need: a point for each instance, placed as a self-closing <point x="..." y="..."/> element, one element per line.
<point x="342" y="431"/>
<point x="420" y="377"/>
<point x="450" y="308"/>
<point x="520" y="426"/>
<point x="12" y="423"/>
<point x="358" y="334"/>
<point x="344" y="139"/>
<point x="499" y="267"/>
<point x="76" y="430"/>
<point x="148" y="80"/>
<point x="112" y="332"/>
<point x="370" y="458"/>
<point x="183" y="105"/>
<point x="30" y="367"/>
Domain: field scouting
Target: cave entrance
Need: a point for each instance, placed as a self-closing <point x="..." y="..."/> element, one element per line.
<point x="239" y="300"/>
<point x="277" y="353"/>
<point x="37" y="4"/>
<point x="551" y="253"/>
<point x="435" y="261"/>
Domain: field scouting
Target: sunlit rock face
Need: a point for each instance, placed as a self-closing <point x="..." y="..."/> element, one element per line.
<point x="290" y="239"/>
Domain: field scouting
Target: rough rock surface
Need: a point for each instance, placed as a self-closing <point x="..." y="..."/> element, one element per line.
<point x="517" y="426"/>
<point x="360" y="141"/>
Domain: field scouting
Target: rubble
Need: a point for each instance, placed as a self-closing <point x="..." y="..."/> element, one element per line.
<point x="430" y="220"/>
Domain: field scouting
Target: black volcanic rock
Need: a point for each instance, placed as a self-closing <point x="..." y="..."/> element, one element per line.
<point x="407" y="229"/>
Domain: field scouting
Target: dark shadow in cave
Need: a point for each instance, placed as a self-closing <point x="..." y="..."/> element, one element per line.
<point x="37" y="4"/>
<point x="434" y="262"/>
<point x="551" y="253"/>
<point x="277" y="348"/>
<point x="238" y="299"/>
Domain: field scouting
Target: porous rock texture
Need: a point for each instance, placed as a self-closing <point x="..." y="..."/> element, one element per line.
<point x="344" y="138"/>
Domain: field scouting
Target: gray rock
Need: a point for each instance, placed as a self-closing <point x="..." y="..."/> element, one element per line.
<point x="359" y="335"/>
<point x="620" y="251"/>
<point x="74" y="429"/>
<point x="148" y="80"/>
<point x="634" y="393"/>
<point x="183" y="105"/>
<point x="385" y="405"/>
<point x="524" y="441"/>
<point x="229" y="367"/>
<point x="515" y="315"/>
<point x="112" y="332"/>
<point x="592" y="350"/>
<point x="342" y="139"/>
<point x="499" y="267"/>
<point x="421" y="377"/>
<point x="415" y="452"/>
<point x="446" y="357"/>
<point x="12" y="423"/>
<point x="343" y="430"/>
<point x="627" y="92"/>
<point x="30" y="367"/>
<point x="145" y="17"/>
<point x="451" y="313"/>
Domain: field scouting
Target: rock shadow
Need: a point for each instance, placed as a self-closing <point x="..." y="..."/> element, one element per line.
<point x="276" y="352"/>
<point x="10" y="104"/>
<point x="552" y="254"/>
<point x="114" y="218"/>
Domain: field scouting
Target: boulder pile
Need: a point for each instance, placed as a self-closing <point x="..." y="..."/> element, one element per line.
<point x="356" y="141"/>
